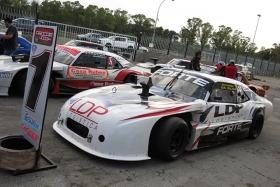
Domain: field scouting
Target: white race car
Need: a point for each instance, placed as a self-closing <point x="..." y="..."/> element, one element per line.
<point x="74" y="69"/>
<point x="175" y="110"/>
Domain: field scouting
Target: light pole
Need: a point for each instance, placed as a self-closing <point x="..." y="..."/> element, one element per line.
<point x="254" y="36"/>
<point x="153" y="38"/>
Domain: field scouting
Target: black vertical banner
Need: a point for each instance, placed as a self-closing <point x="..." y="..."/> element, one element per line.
<point x="40" y="64"/>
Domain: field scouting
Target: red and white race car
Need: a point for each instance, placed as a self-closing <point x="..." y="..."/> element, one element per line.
<point x="74" y="69"/>
<point x="175" y="110"/>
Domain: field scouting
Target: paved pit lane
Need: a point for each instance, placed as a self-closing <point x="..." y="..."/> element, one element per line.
<point x="248" y="163"/>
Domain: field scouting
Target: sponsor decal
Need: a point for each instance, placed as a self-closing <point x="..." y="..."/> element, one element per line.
<point x="80" y="119"/>
<point x="44" y="36"/>
<point x="68" y="50"/>
<point x="30" y="121"/>
<point x="189" y="78"/>
<point x="29" y="132"/>
<point x="86" y="108"/>
<point x="34" y="48"/>
<point x="229" y="109"/>
<point x="225" y="86"/>
<point x="6" y="75"/>
<point x="78" y="72"/>
<point x="229" y="128"/>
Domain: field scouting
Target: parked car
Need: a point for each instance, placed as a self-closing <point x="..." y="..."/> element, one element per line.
<point x="143" y="48"/>
<point x="172" y="111"/>
<point x="181" y="63"/>
<point x="118" y="42"/>
<point x="24" y="46"/>
<point x="74" y="69"/>
<point x="26" y="25"/>
<point x="247" y="70"/>
<point x="83" y="43"/>
<point x="91" y="37"/>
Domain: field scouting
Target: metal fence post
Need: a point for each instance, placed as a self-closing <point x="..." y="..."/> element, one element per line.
<point x="214" y="55"/>
<point x="254" y="62"/>
<point x="267" y="65"/>
<point x="274" y="67"/>
<point x="261" y="64"/>
<point x="186" y="49"/>
<point x="169" y="45"/>
<point x="226" y="56"/>
<point x="245" y="60"/>
<point x="65" y="30"/>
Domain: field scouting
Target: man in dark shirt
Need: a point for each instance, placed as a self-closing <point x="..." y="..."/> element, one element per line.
<point x="11" y="37"/>
<point x="195" y="64"/>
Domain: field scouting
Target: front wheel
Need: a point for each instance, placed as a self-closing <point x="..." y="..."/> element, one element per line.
<point x="169" y="138"/>
<point x="21" y="84"/>
<point x="256" y="126"/>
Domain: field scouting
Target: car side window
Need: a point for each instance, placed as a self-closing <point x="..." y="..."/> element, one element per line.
<point x="117" y="39"/>
<point x="241" y="95"/>
<point x="223" y="93"/>
<point x="91" y="61"/>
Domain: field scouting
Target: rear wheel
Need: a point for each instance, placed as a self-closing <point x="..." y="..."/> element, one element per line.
<point x="169" y="138"/>
<point x="256" y="126"/>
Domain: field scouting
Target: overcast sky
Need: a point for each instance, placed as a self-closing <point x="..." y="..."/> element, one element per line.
<point x="238" y="14"/>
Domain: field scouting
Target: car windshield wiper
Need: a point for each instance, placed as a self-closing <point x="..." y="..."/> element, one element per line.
<point x="172" y="80"/>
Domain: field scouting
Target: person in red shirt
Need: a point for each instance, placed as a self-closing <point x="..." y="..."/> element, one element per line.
<point x="231" y="70"/>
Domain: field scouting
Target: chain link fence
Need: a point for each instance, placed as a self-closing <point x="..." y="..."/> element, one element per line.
<point x="212" y="56"/>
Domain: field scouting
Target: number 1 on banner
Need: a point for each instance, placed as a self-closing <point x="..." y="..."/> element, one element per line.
<point x="40" y="68"/>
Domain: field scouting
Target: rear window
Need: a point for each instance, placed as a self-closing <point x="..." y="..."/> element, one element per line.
<point x="63" y="57"/>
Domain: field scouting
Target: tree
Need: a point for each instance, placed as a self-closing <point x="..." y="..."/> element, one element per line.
<point x="90" y="16"/>
<point x="121" y="20"/>
<point x="205" y="34"/>
<point x="220" y="38"/>
<point x="275" y="53"/>
<point x="191" y="32"/>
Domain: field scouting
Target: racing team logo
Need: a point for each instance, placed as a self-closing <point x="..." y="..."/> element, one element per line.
<point x="93" y="73"/>
<point x="44" y="36"/>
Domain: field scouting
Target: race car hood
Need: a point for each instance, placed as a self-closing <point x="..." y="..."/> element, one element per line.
<point x="120" y="102"/>
<point x="150" y="65"/>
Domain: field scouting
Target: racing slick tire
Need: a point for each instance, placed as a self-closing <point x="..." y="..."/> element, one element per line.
<point x="16" y="153"/>
<point x="169" y="138"/>
<point x="256" y="126"/>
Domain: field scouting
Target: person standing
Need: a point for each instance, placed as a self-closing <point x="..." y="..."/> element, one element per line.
<point x="231" y="70"/>
<point x="195" y="62"/>
<point x="11" y="37"/>
<point x="221" y="68"/>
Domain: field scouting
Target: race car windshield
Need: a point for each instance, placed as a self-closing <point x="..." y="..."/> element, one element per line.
<point x="180" y="86"/>
<point x="63" y="58"/>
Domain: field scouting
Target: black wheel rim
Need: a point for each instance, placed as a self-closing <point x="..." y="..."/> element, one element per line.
<point x="176" y="141"/>
<point x="257" y="127"/>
